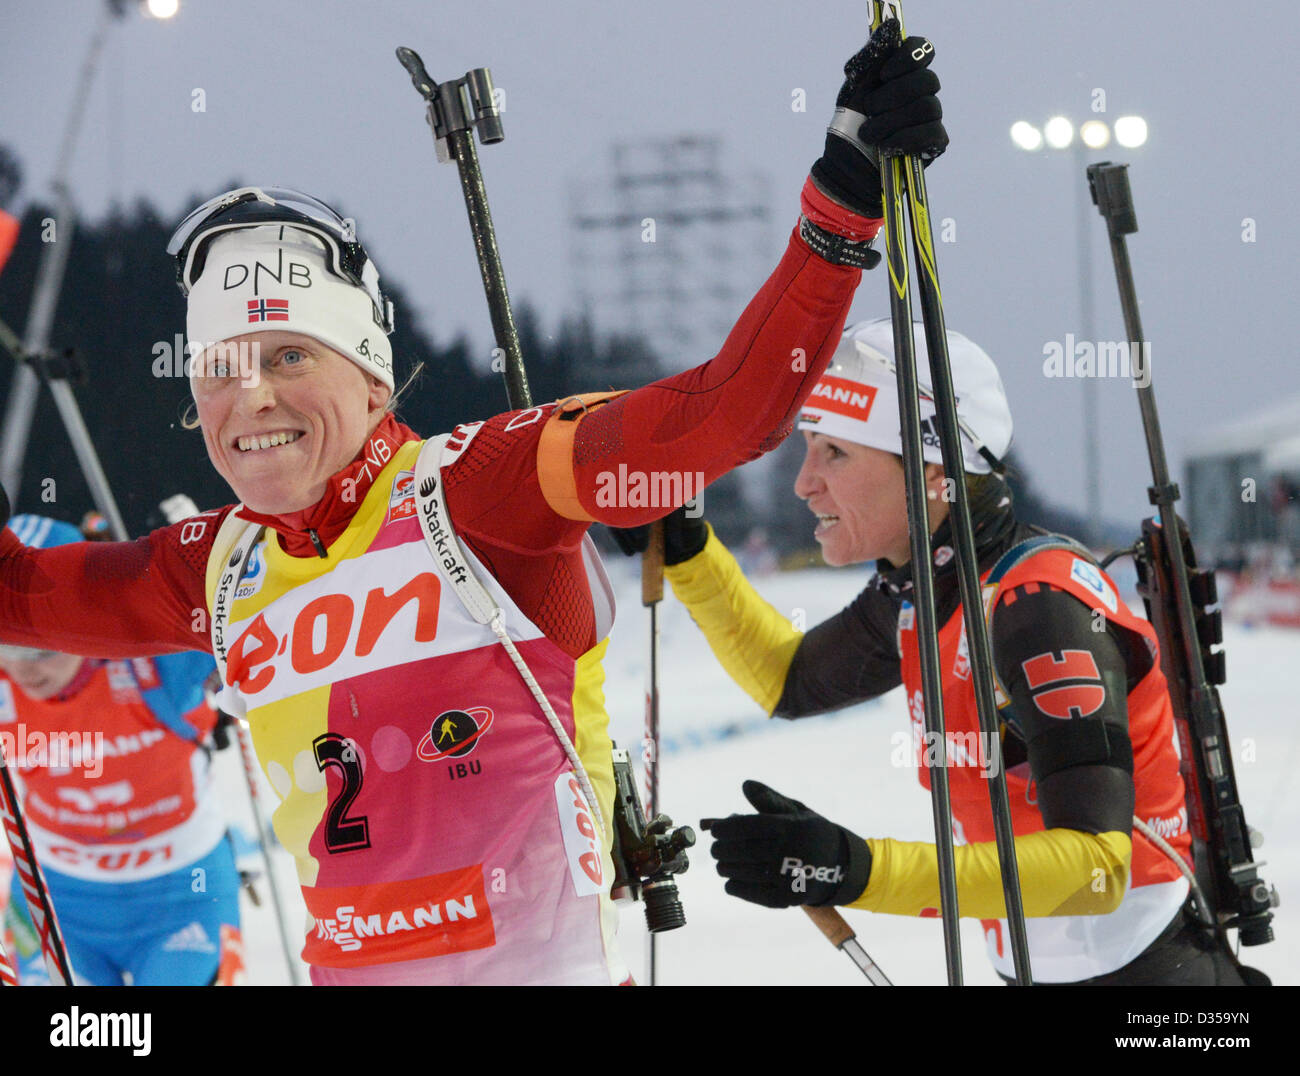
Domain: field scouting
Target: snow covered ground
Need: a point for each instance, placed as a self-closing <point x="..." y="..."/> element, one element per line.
<point x="715" y="737"/>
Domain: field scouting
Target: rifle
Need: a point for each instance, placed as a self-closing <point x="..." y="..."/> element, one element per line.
<point x="1178" y="596"/>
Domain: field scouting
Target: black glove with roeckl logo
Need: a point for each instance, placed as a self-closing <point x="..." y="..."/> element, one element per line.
<point x="889" y="86"/>
<point x="787" y="854"/>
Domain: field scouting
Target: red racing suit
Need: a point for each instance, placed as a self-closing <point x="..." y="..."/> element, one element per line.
<point x="520" y="494"/>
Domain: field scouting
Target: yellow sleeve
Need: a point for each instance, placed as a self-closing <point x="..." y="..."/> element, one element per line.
<point x="1062" y="872"/>
<point x="593" y="745"/>
<point x="591" y="731"/>
<point x="750" y="639"/>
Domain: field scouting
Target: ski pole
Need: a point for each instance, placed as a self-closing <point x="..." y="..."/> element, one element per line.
<point x="55" y="372"/>
<point x="904" y="177"/>
<point x="841" y="935"/>
<point x="927" y="635"/>
<point x="31" y="879"/>
<point x="7" y="975"/>
<point x="454" y="109"/>
<point x="250" y="773"/>
<point x="652" y="593"/>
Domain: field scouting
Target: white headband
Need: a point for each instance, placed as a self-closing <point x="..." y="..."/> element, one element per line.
<point x="276" y="277"/>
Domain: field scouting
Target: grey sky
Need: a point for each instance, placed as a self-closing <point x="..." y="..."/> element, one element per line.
<point x="309" y="95"/>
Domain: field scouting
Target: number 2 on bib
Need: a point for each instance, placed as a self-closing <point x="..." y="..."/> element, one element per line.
<point x="342" y="834"/>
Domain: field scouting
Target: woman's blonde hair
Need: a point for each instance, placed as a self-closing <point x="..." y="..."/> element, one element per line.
<point x="395" y="398"/>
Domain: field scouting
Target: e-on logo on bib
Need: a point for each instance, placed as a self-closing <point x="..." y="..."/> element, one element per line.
<point x="454" y="734"/>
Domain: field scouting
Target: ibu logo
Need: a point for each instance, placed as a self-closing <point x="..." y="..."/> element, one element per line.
<point x="454" y="734"/>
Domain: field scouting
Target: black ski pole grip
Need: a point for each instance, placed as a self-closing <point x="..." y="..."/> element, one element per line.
<point x="1112" y="196"/>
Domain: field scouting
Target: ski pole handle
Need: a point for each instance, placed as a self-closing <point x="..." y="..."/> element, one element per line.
<point x="652" y="592"/>
<point x="841" y="935"/>
<point x="832" y="924"/>
<point x="1111" y="194"/>
<point x="652" y="565"/>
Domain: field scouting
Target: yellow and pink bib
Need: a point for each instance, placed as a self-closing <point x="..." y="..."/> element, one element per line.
<point x="440" y="832"/>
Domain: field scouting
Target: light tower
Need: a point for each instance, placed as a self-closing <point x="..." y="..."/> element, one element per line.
<point x="1058" y="133"/>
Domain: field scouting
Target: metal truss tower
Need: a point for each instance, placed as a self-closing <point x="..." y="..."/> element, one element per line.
<point x="670" y="246"/>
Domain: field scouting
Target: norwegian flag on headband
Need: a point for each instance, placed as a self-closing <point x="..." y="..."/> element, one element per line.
<point x="268" y="310"/>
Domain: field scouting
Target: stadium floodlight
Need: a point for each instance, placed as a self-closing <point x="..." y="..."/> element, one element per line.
<point x="1059" y="132"/>
<point x="161" y="9"/>
<point x="1095" y="134"/>
<point x="1130" y="131"/>
<point x="1026" y="136"/>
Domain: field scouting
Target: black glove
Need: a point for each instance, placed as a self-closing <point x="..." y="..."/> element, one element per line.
<point x="890" y="84"/>
<point x="4" y="507"/>
<point x="684" y="536"/>
<point x="787" y="854"/>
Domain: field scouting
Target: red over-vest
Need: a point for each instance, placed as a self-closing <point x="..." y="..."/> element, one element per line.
<point x="1156" y="887"/>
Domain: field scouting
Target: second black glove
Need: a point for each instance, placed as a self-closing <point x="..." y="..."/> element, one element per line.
<point x="685" y="535"/>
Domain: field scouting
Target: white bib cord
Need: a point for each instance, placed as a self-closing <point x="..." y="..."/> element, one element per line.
<point x="498" y="625"/>
<point x="435" y="524"/>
